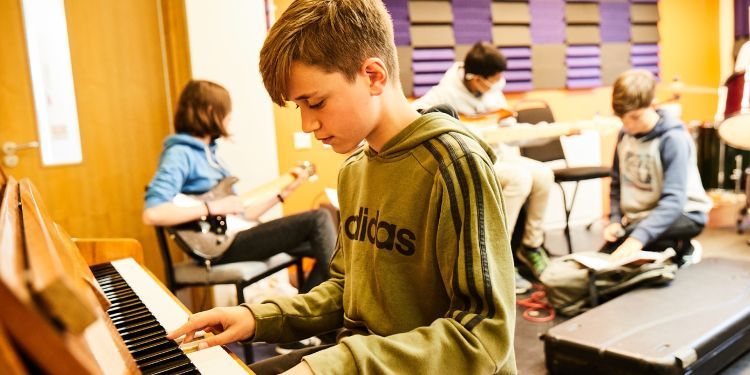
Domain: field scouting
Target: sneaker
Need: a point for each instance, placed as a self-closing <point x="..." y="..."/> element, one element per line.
<point x="534" y="258"/>
<point x="522" y="285"/>
<point x="289" y="347"/>
<point x="693" y="254"/>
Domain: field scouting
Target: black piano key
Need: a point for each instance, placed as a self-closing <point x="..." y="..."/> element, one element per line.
<point x="185" y="371"/>
<point x="153" y="337"/>
<point x="117" y="295"/>
<point x="132" y="326"/>
<point x="124" y="307"/>
<point x="142" y="330"/>
<point x="149" y="347"/>
<point x="115" y="288"/>
<point x="169" y="368"/>
<point x="130" y="318"/>
<point x="173" y="357"/>
<point x="143" y="335"/>
<point x="138" y="319"/>
<point x="156" y="356"/>
<point x="122" y="301"/>
<point x="125" y="314"/>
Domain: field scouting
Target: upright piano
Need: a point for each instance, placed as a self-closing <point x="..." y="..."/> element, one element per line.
<point x="58" y="315"/>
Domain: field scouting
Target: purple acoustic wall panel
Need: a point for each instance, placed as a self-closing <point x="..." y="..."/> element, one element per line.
<point x="518" y="75"/>
<point x="547" y="21"/>
<point x="615" y="21"/>
<point x="399" y="10"/>
<point x="645" y="56"/>
<point x="429" y="65"/>
<point x="740" y="19"/>
<point x="582" y="35"/>
<point x="584" y="66"/>
<point x="472" y="21"/>
<point x="511" y="32"/>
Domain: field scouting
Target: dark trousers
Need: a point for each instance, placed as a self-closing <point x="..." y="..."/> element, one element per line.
<point x="281" y="363"/>
<point x="677" y="237"/>
<point x="308" y="234"/>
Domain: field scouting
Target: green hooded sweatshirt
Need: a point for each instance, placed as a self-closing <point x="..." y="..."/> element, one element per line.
<point x="422" y="277"/>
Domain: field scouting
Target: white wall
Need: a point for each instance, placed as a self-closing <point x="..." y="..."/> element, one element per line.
<point x="580" y="151"/>
<point x="225" y="40"/>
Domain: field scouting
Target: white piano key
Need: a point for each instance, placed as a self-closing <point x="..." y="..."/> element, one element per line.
<point x="169" y="314"/>
<point x="215" y="360"/>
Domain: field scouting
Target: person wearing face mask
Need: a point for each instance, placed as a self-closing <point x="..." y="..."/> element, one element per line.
<point x="474" y="87"/>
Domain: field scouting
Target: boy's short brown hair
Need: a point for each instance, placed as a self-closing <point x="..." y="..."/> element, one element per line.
<point x="202" y="108"/>
<point x="485" y="60"/>
<point x="634" y="89"/>
<point x="333" y="35"/>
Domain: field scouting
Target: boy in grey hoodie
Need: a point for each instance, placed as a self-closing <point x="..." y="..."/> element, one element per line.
<point x="656" y="199"/>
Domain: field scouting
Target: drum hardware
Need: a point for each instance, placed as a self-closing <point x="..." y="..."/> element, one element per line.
<point x="737" y="173"/>
<point x="735" y="129"/>
<point x="722" y="156"/>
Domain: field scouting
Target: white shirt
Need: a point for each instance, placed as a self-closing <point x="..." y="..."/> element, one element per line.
<point x="451" y="90"/>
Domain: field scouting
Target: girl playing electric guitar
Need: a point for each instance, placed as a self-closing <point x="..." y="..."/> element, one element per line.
<point x="188" y="165"/>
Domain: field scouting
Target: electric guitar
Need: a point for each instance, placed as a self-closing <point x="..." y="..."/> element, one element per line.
<point x="210" y="236"/>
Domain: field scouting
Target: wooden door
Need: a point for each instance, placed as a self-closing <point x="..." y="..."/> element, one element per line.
<point x="122" y="87"/>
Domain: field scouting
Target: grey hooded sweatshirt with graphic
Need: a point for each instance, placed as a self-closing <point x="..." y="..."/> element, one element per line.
<point x="655" y="178"/>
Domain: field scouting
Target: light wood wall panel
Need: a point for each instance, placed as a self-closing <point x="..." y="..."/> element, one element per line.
<point x="121" y="85"/>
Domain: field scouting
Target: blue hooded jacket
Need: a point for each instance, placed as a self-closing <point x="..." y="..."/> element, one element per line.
<point x="187" y="165"/>
<point x="655" y="179"/>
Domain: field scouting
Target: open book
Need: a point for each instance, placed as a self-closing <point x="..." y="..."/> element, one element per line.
<point x="600" y="261"/>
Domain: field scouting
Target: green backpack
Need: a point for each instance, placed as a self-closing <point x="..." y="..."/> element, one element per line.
<point x="573" y="288"/>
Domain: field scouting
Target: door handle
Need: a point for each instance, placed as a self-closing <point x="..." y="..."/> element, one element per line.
<point x="10" y="159"/>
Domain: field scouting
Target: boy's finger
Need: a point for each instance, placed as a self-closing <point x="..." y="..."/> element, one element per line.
<point x="195" y="322"/>
<point x="220" y="339"/>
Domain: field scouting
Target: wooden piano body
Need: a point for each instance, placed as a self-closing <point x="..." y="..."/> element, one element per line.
<point x="56" y="317"/>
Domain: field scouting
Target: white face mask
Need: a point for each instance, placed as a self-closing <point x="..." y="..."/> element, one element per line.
<point x="499" y="85"/>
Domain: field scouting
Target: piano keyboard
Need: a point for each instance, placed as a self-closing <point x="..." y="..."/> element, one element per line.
<point x="143" y="312"/>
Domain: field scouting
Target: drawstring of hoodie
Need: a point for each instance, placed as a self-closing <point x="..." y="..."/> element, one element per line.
<point x="209" y="157"/>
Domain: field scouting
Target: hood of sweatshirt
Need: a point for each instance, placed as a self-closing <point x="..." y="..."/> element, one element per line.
<point x="425" y="127"/>
<point x="666" y="123"/>
<point x="187" y="140"/>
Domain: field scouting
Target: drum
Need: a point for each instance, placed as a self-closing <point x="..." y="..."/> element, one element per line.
<point x="710" y="164"/>
<point x="735" y="87"/>
<point x="735" y="129"/>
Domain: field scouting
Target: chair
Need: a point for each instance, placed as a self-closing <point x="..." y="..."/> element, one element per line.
<point x="188" y="273"/>
<point x="534" y="112"/>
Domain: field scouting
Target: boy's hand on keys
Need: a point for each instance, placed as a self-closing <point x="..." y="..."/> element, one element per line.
<point x="228" y="324"/>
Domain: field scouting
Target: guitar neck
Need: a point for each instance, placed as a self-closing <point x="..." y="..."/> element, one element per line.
<point x="521" y="132"/>
<point x="269" y="189"/>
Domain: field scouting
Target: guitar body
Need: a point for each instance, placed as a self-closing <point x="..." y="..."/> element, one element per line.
<point x="206" y="238"/>
<point x="209" y="237"/>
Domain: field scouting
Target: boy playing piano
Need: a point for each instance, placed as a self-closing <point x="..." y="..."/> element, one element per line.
<point x="422" y="276"/>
